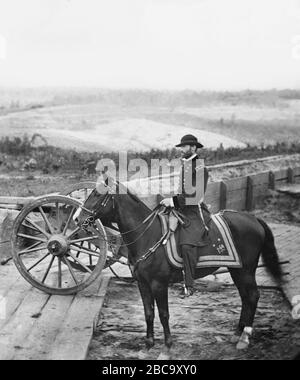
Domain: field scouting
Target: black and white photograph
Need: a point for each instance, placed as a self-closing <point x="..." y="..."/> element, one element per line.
<point x="149" y="182"/>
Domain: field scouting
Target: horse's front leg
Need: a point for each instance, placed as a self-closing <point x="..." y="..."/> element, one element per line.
<point x="148" y="302"/>
<point x="160" y="292"/>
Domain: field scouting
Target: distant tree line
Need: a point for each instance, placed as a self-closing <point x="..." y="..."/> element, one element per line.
<point x="186" y="98"/>
<point x="16" y="151"/>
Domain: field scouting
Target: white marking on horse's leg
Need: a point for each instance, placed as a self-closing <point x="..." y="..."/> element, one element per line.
<point x="296" y="307"/>
<point x="244" y="340"/>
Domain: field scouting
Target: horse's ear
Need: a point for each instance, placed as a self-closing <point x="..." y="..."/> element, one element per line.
<point x="110" y="183"/>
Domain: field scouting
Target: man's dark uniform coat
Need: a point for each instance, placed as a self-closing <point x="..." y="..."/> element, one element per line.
<point x="193" y="233"/>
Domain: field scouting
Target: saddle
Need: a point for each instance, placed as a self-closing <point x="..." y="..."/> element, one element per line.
<point x="220" y="250"/>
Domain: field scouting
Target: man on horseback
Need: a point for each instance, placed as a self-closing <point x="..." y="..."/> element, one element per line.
<point x="189" y="201"/>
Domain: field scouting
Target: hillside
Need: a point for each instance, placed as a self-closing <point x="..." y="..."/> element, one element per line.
<point x="95" y="120"/>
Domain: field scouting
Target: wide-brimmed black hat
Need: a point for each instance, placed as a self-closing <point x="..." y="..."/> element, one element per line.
<point x="190" y="140"/>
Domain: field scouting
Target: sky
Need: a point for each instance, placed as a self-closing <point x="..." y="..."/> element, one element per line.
<point x="157" y="44"/>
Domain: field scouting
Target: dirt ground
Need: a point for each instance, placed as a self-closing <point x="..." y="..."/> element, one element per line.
<point x="279" y="208"/>
<point x="202" y="325"/>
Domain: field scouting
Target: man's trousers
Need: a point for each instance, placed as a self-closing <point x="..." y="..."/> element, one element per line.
<point x="190" y="255"/>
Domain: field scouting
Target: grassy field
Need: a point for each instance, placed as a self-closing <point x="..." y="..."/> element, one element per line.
<point x="91" y="120"/>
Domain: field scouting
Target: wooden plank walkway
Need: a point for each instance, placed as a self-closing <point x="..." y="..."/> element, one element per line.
<point x="34" y="325"/>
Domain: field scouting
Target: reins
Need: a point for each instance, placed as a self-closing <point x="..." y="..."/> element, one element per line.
<point x="104" y="203"/>
<point x="149" y="219"/>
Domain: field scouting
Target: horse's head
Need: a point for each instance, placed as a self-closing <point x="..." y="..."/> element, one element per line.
<point x="99" y="205"/>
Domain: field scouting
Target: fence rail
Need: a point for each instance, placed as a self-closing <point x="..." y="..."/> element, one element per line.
<point x="240" y="193"/>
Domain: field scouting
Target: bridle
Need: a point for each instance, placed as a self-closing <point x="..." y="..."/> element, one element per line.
<point x="149" y="219"/>
<point x="92" y="213"/>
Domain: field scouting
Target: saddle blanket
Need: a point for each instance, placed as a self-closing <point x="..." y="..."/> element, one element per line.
<point x="220" y="252"/>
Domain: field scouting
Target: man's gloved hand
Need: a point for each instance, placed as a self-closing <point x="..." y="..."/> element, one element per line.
<point x="167" y="202"/>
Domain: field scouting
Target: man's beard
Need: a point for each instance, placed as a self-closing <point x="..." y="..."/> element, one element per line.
<point x="187" y="154"/>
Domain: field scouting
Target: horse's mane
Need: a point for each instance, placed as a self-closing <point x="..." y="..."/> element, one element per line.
<point x="132" y="195"/>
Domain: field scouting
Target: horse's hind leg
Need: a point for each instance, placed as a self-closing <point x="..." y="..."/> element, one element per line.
<point x="148" y="302"/>
<point x="160" y="292"/>
<point x="247" y="287"/>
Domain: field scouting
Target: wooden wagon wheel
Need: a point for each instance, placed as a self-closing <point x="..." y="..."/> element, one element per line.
<point x="116" y="252"/>
<point x="60" y="259"/>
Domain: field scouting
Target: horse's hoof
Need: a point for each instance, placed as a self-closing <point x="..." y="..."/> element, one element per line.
<point x="242" y="345"/>
<point x="149" y="343"/>
<point x="244" y="339"/>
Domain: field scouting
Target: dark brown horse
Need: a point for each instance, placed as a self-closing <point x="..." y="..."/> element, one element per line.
<point x="251" y="235"/>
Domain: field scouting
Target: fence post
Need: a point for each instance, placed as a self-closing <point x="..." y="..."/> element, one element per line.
<point x="249" y="194"/>
<point x="290" y="175"/>
<point x="271" y="180"/>
<point x="223" y="195"/>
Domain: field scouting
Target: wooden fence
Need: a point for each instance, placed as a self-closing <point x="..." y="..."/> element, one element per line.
<point x="240" y="193"/>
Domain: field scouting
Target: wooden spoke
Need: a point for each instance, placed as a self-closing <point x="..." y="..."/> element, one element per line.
<point x="88" y="238"/>
<point x="32" y="237"/>
<point x="57" y="213"/>
<point x="46" y="220"/>
<point x="80" y="262"/>
<point x="34" y="245"/>
<point x="39" y="261"/>
<point x="84" y="250"/>
<point x="66" y="261"/>
<point x="30" y="250"/>
<point x="37" y="227"/>
<point x="90" y="256"/>
<point x="77" y="229"/>
<point x="81" y="245"/>
<point x="69" y="220"/>
<point x="31" y="227"/>
<point x="48" y="269"/>
<point x="59" y="273"/>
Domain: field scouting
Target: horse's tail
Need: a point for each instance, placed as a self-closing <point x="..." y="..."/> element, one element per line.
<point x="270" y="255"/>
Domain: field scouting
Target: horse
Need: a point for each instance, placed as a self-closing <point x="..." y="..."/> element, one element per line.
<point x="153" y="272"/>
